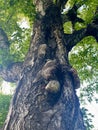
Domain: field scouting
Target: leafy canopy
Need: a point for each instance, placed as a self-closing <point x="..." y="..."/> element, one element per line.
<point x="17" y="17"/>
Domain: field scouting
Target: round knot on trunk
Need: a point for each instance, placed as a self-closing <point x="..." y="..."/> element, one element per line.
<point x="49" y="70"/>
<point x="53" y="86"/>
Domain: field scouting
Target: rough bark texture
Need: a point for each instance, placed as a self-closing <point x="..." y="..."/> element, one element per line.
<point x="45" y="98"/>
<point x="12" y="72"/>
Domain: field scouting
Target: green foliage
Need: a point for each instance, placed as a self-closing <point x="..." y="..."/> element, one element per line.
<point x="84" y="59"/>
<point x="19" y="49"/>
<point x="89" y="7"/>
<point x="79" y="25"/>
<point x="87" y="119"/>
<point x="86" y="10"/>
<point x="11" y="10"/>
<point x="68" y="27"/>
<point x="84" y="56"/>
<point x="13" y="15"/>
<point x="5" y="57"/>
<point x="4" y="105"/>
<point x="54" y="1"/>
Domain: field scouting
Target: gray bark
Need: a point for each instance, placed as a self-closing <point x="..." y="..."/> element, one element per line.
<point x="45" y="98"/>
<point x="12" y="72"/>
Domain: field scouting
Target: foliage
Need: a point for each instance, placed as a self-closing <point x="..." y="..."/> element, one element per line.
<point x="12" y="13"/>
<point x="84" y="58"/>
<point x="68" y="27"/>
<point x="85" y="54"/>
<point x="85" y="12"/>
<point x="4" y="105"/>
<point x="19" y="49"/>
<point x="13" y="16"/>
<point x="87" y="118"/>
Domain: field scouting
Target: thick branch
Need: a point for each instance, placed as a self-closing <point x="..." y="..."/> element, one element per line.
<point x="73" y="39"/>
<point x="61" y="3"/>
<point x="92" y="29"/>
<point x="41" y="6"/>
<point x="12" y="72"/>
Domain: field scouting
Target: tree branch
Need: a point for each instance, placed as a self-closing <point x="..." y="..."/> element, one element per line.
<point x="92" y="29"/>
<point x="61" y="3"/>
<point x="12" y="72"/>
<point x="73" y="39"/>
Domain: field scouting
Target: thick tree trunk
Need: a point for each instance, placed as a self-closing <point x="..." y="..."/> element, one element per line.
<point x="45" y="98"/>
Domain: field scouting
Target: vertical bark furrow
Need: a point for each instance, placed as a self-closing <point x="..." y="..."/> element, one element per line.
<point x="46" y="99"/>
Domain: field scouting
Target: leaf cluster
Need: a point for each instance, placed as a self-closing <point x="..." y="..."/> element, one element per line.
<point x="80" y="13"/>
<point x="16" y="18"/>
<point x="87" y="119"/>
<point x="84" y="58"/>
<point x="4" y="105"/>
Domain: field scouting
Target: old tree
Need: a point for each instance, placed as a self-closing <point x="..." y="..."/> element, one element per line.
<point x="45" y="97"/>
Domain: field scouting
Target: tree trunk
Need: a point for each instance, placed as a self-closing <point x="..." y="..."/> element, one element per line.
<point x="45" y="98"/>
